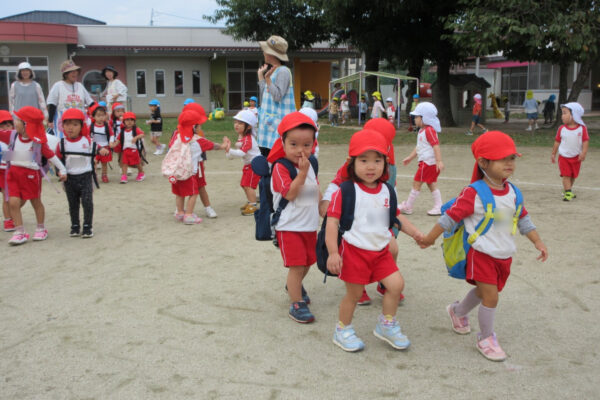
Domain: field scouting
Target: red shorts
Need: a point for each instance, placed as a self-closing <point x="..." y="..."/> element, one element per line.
<point x="297" y="248"/>
<point x="487" y="269"/>
<point x="249" y="178"/>
<point x="569" y="166"/>
<point x="104" y="159"/>
<point x="365" y="266"/>
<point x="201" y="180"/>
<point x="24" y="183"/>
<point x="130" y="157"/>
<point x="427" y="173"/>
<point x="188" y="187"/>
<point x="2" y="178"/>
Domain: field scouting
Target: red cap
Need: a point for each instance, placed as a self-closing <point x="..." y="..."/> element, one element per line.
<point x="76" y="114"/>
<point x="117" y="105"/>
<point x="387" y="129"/>
<point x="93" y="108"/>
<point x="289" y="122"/>
<point x="5" y="116"/>
<point x="129" y="115"/>
<point x="185" y="124"/>
<point x="366" y="140"/>
<point x="34" y="123"/>
<point x="199" y="110"/>
<point x="492" y="145"/>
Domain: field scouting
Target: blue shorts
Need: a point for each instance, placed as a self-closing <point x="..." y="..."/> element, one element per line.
<point x="532" y="115"/>
<point x="475" y="119"/>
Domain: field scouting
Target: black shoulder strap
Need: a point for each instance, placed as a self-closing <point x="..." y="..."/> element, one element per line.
<point x="348" y="203"/>
<point x="393" y="207"/>
<point x="315" y="163"/>
<point x="283" y="202"/>
<point x="62" y="150"/>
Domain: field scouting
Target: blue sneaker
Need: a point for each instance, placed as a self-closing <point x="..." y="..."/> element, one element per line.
<point x="305" y="297"/>
<point x="391" y="333"/>
<point x="299" y="312"/>
<point x="346" y="339"/>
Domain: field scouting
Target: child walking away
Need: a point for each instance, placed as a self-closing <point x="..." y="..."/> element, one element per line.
<point x="506" y="109"/>
<point x="489" y="258"/>
<point x="155" y="123"/>
<point x="549" y="109"/>
<point x="477" y="110"/>
<point x="390" y="110"/>
<point x="531" y="110"/>
<point x="363" y="256"/>
<point x="429" y="156"/>
<point x="130" y="141"/>
<point x="246" y="148"/>
<point x="333" y="111"/>
<point x="6" y="124"/>
<point x="77" y="150"/>
<point x="345" y="106"/>
<point x="104" y="138"/>
<point x="296" y="228"/>
<point x="363" y="107"/>
<point x="571" y="142"/>
<point x="28" y="152"/>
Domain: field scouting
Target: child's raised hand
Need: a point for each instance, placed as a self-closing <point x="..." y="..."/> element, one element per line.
<point x="303" y="163"/>
<point x="334" y="263"/>
<point x="543" y="251"/>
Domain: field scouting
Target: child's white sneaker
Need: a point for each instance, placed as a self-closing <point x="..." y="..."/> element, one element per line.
<point x="210" y="213"/>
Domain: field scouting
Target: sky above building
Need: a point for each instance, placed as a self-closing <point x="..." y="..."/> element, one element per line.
<point x="129" y="12"/>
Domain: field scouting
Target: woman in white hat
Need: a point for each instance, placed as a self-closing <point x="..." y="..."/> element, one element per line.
<point x="116" y="91"/>
<point x="275" y="85"/>
<point x="25" y="91"/>
<point x="66" y="94"/>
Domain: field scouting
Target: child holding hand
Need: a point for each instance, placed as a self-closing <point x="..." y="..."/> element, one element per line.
<point x="571" y="143"/>
<point x="131" y="147"/>
<point x="363" y="256"/>
<point x="104" y="138"/>
<point x="490" y="256"/>
<point x="6" y="124"/>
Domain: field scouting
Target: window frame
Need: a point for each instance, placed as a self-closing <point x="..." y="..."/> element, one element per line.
<point x="137" y="91"/>
<point x="164" y="93"/>
<point x="199" y="93"/>
<point x="182" y="94"/>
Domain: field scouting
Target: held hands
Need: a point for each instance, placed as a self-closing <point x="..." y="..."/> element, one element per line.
<point x="113" y="144"/>
<point x="103" y="152"/>
<point x="424" y="241"/>
<point x="334" y="263"/>
<point x="226" y="145"/>
<point x="406" y="161"/>
<point x="62" y="177"/>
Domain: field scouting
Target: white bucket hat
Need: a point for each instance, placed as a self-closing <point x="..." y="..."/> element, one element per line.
<point x="26" y="65"/>
<point x="576" y="111"/>
<point x="389" y="99"/>
<point x="246" y="116"/>
<point x="428" y="112"/>
<point x="311" y="113"/>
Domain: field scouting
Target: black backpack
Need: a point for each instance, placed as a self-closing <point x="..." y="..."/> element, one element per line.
<point x="138" y="144"/>
<point x="346" y="220"/>
<point x="91" y="155"/>
<point x="266" y="217"/>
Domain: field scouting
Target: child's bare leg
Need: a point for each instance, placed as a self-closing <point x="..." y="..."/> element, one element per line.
<point x="14" y="205"/>
<point x="140" y="168"/>
<point x="5" y="208"/>
<point x="567" y="183"/>
<point x="124" y="168"/>
<point x="432" y="186"/>
<point x="250" y="194"/>
<point x="204" y="196"/>
<point x="394" y="284"/>
<point x="191" y="203"/>
<point x="348" y="303"/>
<point x="489" y="300"/>
<point x="472" y="126"/>
<point x="481" y="126"/>
<point x="417" y="185"/>
<point x="38" y="208"/>
<point x="294" y="282"/>
<point x="488" y="294"/>
<point x="155" y="141"/>
<point x="104" y="168"/>
<point x="179" y="202"/>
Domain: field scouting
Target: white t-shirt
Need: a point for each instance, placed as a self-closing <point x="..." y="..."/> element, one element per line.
<point x="77" y="164"/>
<point x="65" y="95"/>
<point x="571" y="140"/>
<point x="426" y="139"/>
<point x="100" y="136"/>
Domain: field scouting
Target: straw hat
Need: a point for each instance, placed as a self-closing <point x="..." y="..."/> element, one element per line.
<point x="68" y="66"/>
<point x="275" y="46"/>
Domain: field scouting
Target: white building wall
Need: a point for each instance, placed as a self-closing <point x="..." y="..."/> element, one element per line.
<point x="56" y="53"/>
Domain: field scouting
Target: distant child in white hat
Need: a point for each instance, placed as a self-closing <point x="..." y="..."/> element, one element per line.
<point x="571" y="142"/>
<point x="477" y="109"/>
<point x="390" y="110"/>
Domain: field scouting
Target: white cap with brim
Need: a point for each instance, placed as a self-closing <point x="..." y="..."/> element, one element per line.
<point x="576" y="111"/>
<point x="428" y="112"/>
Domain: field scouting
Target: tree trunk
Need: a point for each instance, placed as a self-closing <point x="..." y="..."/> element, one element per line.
<point x="441" y="91"/>
<point x="371" y="64"/>
<point x="414" y="69"/>
<point x="582" y="77"/>
<point x="562" y="90"/>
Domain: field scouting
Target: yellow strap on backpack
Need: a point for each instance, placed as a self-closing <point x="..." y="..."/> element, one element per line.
<point x="516" y="219"/>
<point x="489" y="214"/>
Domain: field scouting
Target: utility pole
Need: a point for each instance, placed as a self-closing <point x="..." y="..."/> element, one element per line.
<point x="152" y="17"/>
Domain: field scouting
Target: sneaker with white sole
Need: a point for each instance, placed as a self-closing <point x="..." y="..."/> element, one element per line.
<point x="434" y="211"/>
<point x="405" y="208"/>
<point x="140" y="177"/>
<point x="161" y="149"/>
<point x="191" y="219"/>
<point x="390" y="332"/>
<point x="210" y="213"/>
<point x="18" y="238"/>
<point x="460" y="325"/>
<point x="490" y="348"/>
<point x="123" y="178"/>
<point x="40" y="234"/>
<point x="364" y="300"/>
<point x="9" y="225"/>
<point x="347" y="340"/>
<point x="299" y="312"/>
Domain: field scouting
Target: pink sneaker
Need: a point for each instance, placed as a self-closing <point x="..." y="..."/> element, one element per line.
<point x="191" y="219"/>
<point x="41" y="234"/>
<point x="365" y="300"/>
<point x="18" y="238"/>
<point x="434" y="211"/>
<point x="140" y="177"/>
<point x="124" y="178"/>
<point x="460" y="325"/>
<point x="178" y="217"/>
<point x="405" y="209"/>
<point x="490" y="348"/>
<point x="9" y="225"/>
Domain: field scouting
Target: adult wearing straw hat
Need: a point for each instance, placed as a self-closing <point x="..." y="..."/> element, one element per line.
<point x="66" y="94"/>
<point x="275" y="85"/>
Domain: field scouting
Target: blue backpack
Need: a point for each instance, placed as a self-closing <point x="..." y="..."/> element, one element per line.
<point x="266" y="217"/>
<point x="346" y="220"/>
<point x="456" y="244"/>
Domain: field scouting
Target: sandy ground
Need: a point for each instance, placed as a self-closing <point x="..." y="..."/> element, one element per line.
<point x="150" y="308"/>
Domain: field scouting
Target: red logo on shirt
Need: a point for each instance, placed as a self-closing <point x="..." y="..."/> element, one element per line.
<point x="386" y="203"/>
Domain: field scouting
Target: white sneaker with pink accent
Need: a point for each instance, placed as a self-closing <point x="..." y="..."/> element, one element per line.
<point x="460" y="325"/>
<point x="490" y="348"/>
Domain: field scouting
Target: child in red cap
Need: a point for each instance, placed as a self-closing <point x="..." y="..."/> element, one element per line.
<point x="490" y="256"/>
<point x="6" y="124"/>
<point x="27" y="145"/>
<point x="116" y="121"/>
<point x="297" y="226"/>
<point x="130" y="141"/>
<point x="76" y="150"/>
<point x="572" y="142"/>
<point x="103" y="136"/>
<point x="363" y="256"/>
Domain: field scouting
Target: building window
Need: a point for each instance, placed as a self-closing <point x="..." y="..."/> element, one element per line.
<point x="195" y="82"/>
<point x="534" y="77"/>
<point x="94" y="82"/>
<point x="178" y="82"/>
<point x="242" y="82"/>
<point x="514" y="84"/>
<point x="159" y="82"/>
<point x="140" y="79"/>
